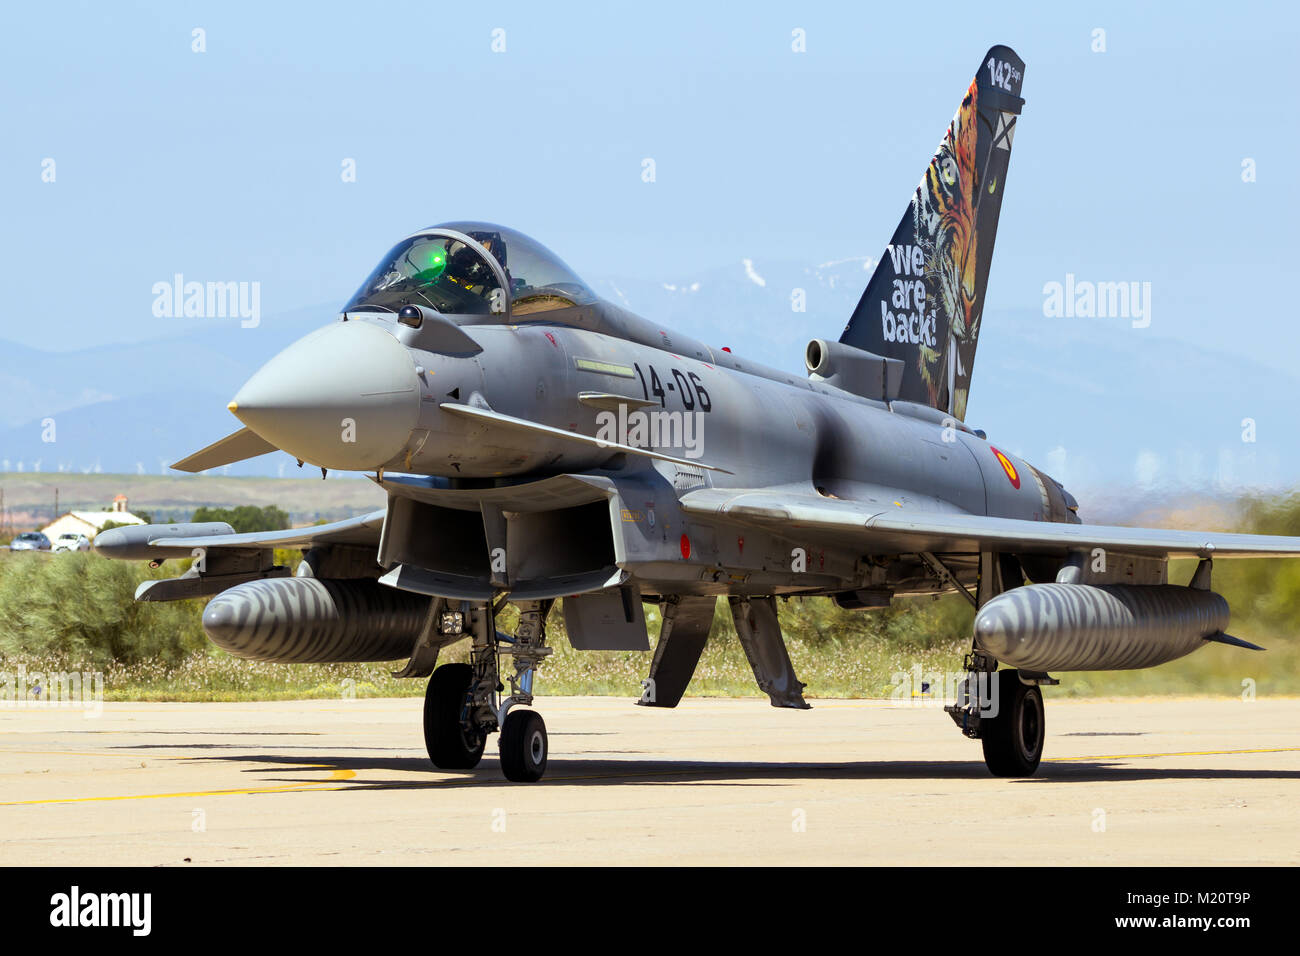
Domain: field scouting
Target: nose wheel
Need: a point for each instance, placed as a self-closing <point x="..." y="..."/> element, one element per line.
<point x="524" y="746"/>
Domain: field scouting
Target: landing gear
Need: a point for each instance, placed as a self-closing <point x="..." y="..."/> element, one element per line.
<point x="452" y="741"/>
<point x="1013" y="740"/>
<point x="463" y="702"/>
<point x="524" y="746"/>
<point x="1003" y="709"/>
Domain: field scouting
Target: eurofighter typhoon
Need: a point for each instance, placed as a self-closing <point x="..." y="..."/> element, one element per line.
<point x="536" y="442"/>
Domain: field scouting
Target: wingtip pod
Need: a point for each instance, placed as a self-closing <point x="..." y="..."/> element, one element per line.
<point x="925" y="299"/>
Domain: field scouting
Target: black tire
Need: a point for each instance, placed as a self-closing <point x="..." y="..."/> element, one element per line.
<point x="1013" y="740"/>
<point x="524" y="747"/>
<point x="449" y="746"/>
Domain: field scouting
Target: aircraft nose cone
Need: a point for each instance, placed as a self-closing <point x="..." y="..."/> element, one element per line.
<point x="344" y="397"/>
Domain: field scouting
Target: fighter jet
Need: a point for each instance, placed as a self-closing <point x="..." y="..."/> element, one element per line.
<point x="538" y="443"/>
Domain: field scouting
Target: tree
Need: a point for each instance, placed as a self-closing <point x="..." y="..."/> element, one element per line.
<point x="245" y="518"/>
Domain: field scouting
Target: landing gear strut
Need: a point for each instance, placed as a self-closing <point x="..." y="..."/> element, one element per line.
<point x="524" y="746"/>
<point x="462" y="704"/>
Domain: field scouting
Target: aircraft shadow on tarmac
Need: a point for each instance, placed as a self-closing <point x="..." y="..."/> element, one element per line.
<point x="597" y="771"/>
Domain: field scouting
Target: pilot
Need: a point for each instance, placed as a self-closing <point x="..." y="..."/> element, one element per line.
<point x="466" y="267"/>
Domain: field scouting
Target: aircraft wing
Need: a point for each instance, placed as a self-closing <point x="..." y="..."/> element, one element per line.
<point x="875" y="530"/>
<point x="161" y="542"/>
<point x="230" y="558"/>
<point x="362" y="530"/>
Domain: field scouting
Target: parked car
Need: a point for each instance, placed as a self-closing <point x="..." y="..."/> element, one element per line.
<point x="71" y="541"/>
<point x="30" y="541"/>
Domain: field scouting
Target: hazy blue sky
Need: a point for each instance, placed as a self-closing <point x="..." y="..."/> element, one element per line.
<point x="225" y="165"/>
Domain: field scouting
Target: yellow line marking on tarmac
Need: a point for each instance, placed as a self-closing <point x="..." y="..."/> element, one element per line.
<point x="1178" y="753"/>
<point x="306" y="787"/>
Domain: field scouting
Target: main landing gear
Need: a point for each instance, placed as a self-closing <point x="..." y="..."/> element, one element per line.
<point x="453" y="743"/>
<point x="1003" y="709"/>
<point x="462" y="703"/>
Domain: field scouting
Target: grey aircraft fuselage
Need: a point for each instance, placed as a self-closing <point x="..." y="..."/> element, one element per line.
<point x="752" y="427"/>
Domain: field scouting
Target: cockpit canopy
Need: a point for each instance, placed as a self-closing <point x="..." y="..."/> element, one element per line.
<point x="471" y="268"/>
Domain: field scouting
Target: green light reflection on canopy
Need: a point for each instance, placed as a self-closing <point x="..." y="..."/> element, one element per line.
<point x="437" y="263"/>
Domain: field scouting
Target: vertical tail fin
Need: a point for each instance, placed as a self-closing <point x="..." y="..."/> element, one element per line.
<point x="924" y="301"/>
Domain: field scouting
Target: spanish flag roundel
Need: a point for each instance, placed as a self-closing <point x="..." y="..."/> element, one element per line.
<point x="1010" y="469"/>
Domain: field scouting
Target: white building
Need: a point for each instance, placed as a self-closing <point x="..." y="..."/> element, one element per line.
<point x="90" y="523"/>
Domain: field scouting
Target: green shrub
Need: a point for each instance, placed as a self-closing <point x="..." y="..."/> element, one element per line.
<point x="81" y="607"/>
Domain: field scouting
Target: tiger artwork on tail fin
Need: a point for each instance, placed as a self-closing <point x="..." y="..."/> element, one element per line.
<point x="944" y="213"/>
<point x="925" y="300"/>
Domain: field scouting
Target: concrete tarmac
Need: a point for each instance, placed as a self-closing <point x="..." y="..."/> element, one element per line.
<point x="1126" y="781"/>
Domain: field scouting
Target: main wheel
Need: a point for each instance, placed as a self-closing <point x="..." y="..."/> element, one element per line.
<point x="524" y="746"/>
<point x="1013" y="740"/>
<point x="450" y="745"/>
